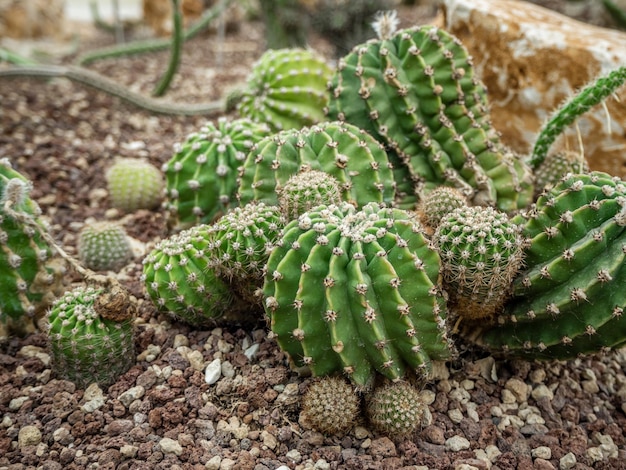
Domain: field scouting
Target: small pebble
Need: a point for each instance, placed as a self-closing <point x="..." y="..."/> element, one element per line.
<point x="213" y="371"/>
<point x="170" y="446"/>
<point x="28" y="436"/>
<point x="567" y="461"/>
<point x="457" y="443"/>
<point x="542" y="452"/>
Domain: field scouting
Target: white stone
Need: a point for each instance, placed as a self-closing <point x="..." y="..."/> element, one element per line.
<point x="28" y="436"/>
<point x="567" y="461"/>
<point x="227" y="369"/>
<point x="542" y="391"/>
<point x="170" y="446"/>
<point x="250" y="352"/>
<point x="457" y="443"/>
<point x="213" y="371"/>
<point x="132" y="394"/>
<point x="213" y="463"/>
<point x="541" y="452"/>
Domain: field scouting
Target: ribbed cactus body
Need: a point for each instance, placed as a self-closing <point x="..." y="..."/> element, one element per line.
<point x="416" y="90"/>
<point x="201" y="176"/>
<point x="85" y="346"/>
<point x="347" y="153"/>
<point x="104" y="246"/>
<point x="355" y="291"/>
<point x="570" y="298"/>
<point x="134" y="184"/>
<point x="286" y="89"/>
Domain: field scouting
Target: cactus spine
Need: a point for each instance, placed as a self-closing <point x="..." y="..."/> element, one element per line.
<point x="104" y="246"/>
<point x="134" y="184"/>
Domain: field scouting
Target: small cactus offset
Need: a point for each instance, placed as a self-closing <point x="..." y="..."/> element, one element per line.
<point x="330" y="405"/>
<point x="481" y="251"/>
<point x="395" y="409"/>
<point x="201" y="176"/>
<point x="570" y="298"/>
<point x="286" y="89"/>
<point x="104" y="246"/>
<point x="306" y="190"/>
<point x="439" y="202"/>
<point x="90" y="333"/>
<point x="134" y="184"/>
<point x="355" y="291"/>
<point x="347" y="153"/>
<point x="555" y="166"/>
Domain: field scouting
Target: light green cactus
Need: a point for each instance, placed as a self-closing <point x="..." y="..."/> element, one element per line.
<point x="330" y="405"/>
<point x="134" y="184"/>
<point x="436" y="204"/>
<point x="104" y="246"/>
<point x="395" y="409"/>
<point x="306" y="190"/>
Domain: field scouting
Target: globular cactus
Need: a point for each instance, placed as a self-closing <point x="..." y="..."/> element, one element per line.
<point x="439" y="202"/>
<point x="90" y="333"/>
<point x="30" y="276"/>
<point x="306" y="190"/>
<point x="347" y="153"/>
<point x="570" y="298"/>
<point x="555" y="166"/>
<point x="330" y="405"/>
<point x="481" y="251"/>
<point x="355" y="291"/>
<point x="104" y="246"/>
<point x="201" y="176"/>
<point x="134" y="184"/>
<point x="395" y="409"/>
<point x="416" y="90"/>
<point x="286" y="89"/>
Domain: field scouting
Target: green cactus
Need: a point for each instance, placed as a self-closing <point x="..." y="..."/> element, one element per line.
<point x="30" y="276"/>
<point x="481" y="251"/>
<point x="349" y="154"/>
<point x="555" y="166"/>
<point x="104" y="246"/>
<point x="90" y="333"/>
<point x="286" y="89"/>
<point x="437" y="203"/>
<point x="134" y="184"/>
<point x="356" y="291"/>
<point x="330" y="405"/>
<point x="306" y="190"/>
<point x="570" y="298"/>
<point x="395" y="409"/>
<point x="416" y="90"/>
<point x="201" y="176"/>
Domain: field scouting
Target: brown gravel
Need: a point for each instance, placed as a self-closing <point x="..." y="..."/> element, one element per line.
<point x="162" y="414"/>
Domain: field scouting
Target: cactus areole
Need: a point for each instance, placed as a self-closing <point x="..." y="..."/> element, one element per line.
<point x="356" y="292"/>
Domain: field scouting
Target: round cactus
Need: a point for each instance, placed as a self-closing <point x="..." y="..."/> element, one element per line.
<point x="330" y="405"/>
<point x="134" y="184"/>
<point x="286" y="89"/>
<point x="395" y="409"/>
<point x="481" y="251"/>
<point x="347" y="153"/>
<point x="438" y="203"/>
<point x="570" y="298"/>
<point x="306" y="190"/>
<point x="87" y="346"/>
<point x="30" y="276"/>
<point x="555" y="166"/>
<point x="201" y="176"/>
<point x="104" y="246"/>
<point x="416" y="90"/>
<point x="355" y="291"/>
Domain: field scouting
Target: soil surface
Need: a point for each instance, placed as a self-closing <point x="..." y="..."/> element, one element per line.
<point x="483" y="413"/>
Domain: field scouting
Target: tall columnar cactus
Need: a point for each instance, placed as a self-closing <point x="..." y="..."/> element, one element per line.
<point x="286" y="89"/>
<point x="355" y="291"/>
<point x="416" y="90"/>
<point x="306" y="190"/>
<point x="30" y="276"/>
<point x="570" y="299"/>
<point x="104" y="246"/>
<point x="90" y="332"/>
<point x="481" y="251"/>
<point x="134" y="184"/>
<point x="349" y="154"/>
<point x="201" y="176"/>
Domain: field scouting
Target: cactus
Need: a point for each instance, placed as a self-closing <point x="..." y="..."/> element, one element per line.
<point x="286" y="89"/>
<point x="555" y="166"/>
<point x="437" y="203"/>
<point x="570" y="299"/>
<point x="355" y="291"/>
<point x="90" y="332"/>
<point x="349" y="154"/>
<point x="201" y="176"/>
<point x="395" y="409"/>
<point x="481" y="251"/>
<point x="134" y="184"/>
<point x="104" y="246"/>
<point x="416" y="90"/>
<point x="306" y="190"/>
<point x="30" y="276"/>
<point x="330" y="405"/>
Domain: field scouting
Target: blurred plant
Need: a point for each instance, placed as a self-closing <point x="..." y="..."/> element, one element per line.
<point x="134" y="184"/>
<point x="104" y="246"/>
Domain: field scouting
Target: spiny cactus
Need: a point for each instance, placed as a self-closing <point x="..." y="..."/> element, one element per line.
<point x="104" y="246"/>
<point x="286" y="89"/>
<point x="306" y="190"/>
<point x="330" y="405"/>
<point x="437" y="203"/>
<point x="555" y="166"/>
<point x="349" y="154"/>
<point x="30" y="276"/>
<point x="201" y="176"/>
<point x="355" y="291"/>
<point x="481" y="251"/>
<point x="395" y="409"/>
<point x="134" y="184"/>
<point x="416" y="90"/>
<point x="90" y="332"/>
<point x="570" y="298"/>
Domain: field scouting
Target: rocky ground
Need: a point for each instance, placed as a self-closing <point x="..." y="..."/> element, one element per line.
<point x="483" y="412"/>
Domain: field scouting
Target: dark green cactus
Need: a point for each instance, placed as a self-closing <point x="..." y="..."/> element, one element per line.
<point x="134" y="184"/>
<point x="286" y="89"/>
<point x="330" y="405"/>
<point x="349" y="154"/>
<point x="395" y="409"/>
<point x="306" y="190"/>
<point x="416" y="90"/>
<point x="570" y="298"/>
<point x="201" y="176"/>
<point x="104" y="246"/>
<point x="355" y="291"/>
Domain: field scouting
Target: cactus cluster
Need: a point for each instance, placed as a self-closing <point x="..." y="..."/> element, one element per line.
<point x="104" y="246"/>
<point x="134" y="184"/>
<point x="330" y="405"/>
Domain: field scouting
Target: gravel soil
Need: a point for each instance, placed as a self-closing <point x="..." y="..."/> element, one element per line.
<point x="483" y="413"/>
